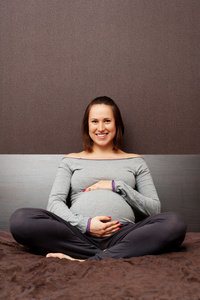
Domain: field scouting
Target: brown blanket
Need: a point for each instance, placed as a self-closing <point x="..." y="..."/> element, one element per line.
<point x="168" y="276"/>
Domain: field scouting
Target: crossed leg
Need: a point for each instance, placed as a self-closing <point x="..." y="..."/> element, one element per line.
<point x="156" y="234"/>
<point x="44" y="232"/>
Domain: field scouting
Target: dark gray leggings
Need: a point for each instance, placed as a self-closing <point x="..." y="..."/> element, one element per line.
<point x="44" y="232"/>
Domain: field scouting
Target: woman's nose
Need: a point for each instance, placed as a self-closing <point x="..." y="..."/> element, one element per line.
<point x="101" y="126"/>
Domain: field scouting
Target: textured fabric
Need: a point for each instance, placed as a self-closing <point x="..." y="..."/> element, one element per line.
<point x="75" y="175"/>
<point x="173" y="275"/>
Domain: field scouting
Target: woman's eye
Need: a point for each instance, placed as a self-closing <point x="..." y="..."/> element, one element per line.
<point x="94" y="121"/>
<point x="107" y="121"/>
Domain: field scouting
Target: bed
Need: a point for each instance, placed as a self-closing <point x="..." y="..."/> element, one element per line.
<point x="26" y="180"/>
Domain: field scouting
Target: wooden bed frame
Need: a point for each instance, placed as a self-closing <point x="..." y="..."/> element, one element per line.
<point x="26" y="181"/>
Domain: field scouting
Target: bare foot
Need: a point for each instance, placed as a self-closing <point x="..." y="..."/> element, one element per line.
<point x="61" y="255"/>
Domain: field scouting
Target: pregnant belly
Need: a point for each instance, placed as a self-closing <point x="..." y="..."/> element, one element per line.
<point x="103" y="203"/>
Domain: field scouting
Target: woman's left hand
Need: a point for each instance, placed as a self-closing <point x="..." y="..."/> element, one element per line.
<point x="101" y="185"/>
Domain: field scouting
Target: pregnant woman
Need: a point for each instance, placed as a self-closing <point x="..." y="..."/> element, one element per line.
<point x="106" y="189"/>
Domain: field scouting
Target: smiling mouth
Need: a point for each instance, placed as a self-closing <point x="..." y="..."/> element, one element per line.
<point x="101" y="135"/>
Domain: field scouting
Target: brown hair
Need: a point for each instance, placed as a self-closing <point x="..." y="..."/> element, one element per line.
<point x="87" y="141"/>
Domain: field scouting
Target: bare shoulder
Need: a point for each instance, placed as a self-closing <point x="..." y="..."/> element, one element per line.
<point x="134" y="155"/>
<point x="129" y="155"/>
<point x="74" y="155"/>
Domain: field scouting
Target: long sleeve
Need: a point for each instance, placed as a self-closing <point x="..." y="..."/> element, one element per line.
<point x="145" y="199"/>
<point x="58" y="196"/>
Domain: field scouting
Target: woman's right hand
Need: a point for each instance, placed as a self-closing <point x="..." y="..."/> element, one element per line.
<point x="101" y="226"/>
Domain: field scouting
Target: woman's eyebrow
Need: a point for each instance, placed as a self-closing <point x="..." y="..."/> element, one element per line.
<point x="106" y="118"/>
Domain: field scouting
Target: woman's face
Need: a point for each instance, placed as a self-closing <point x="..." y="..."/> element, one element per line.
<point x="101" y="123"/>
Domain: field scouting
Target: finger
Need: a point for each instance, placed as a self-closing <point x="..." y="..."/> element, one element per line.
<point x="110" y="232"/>
<point x="86" y="190"/>
<point x="106" y="234"/>
<point x="90" y="188"/>
<point x="113" y="224"/>
<point x="113" y="228"/>
<point x="105" y="218"/>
